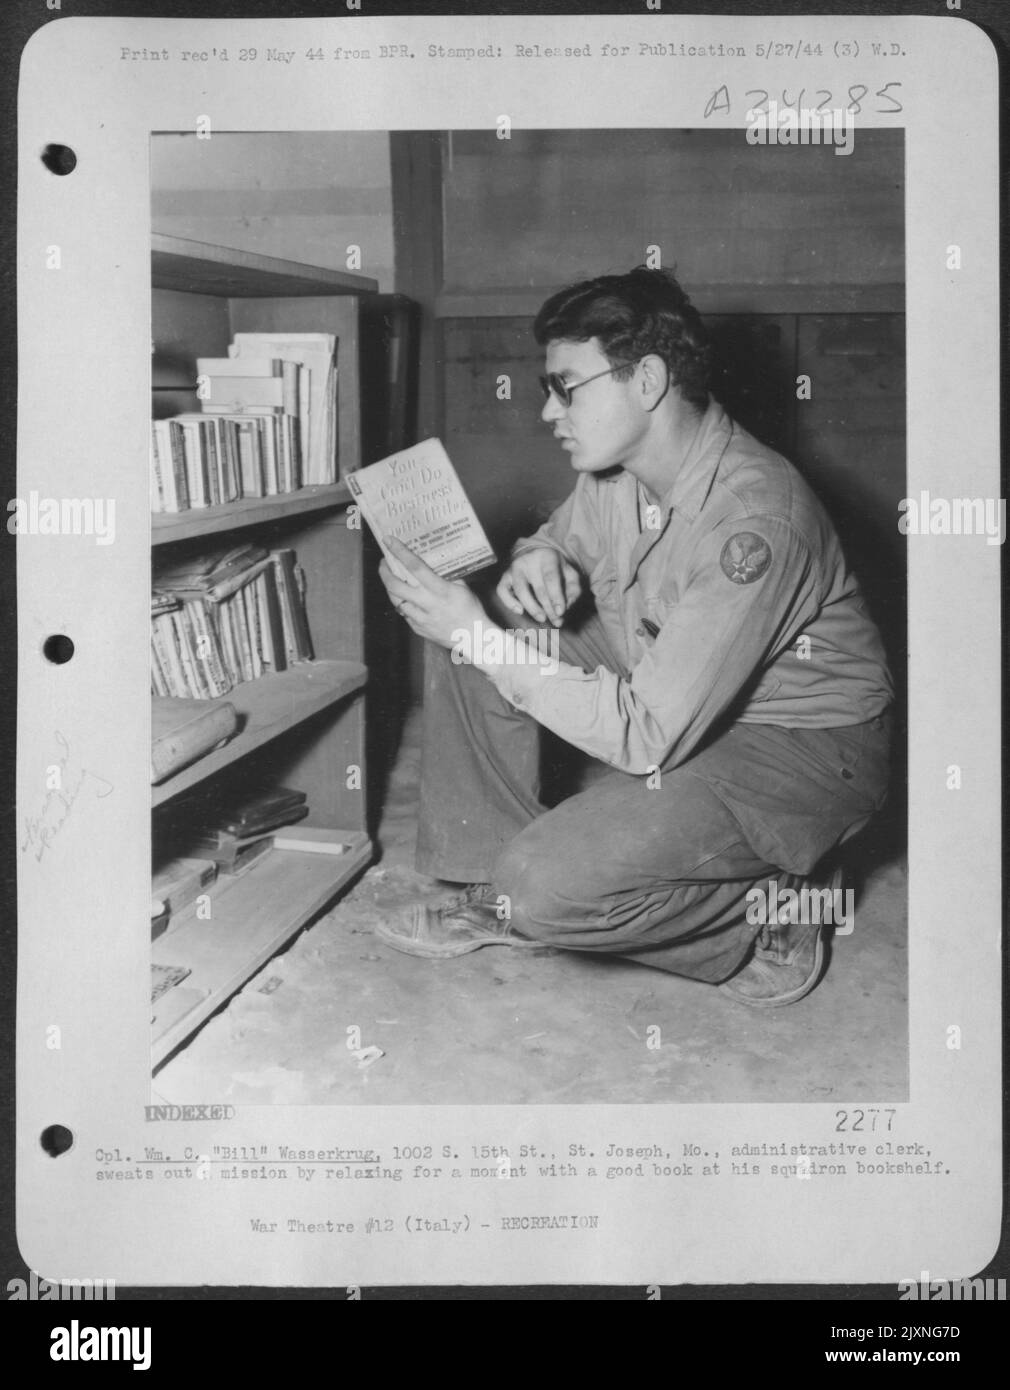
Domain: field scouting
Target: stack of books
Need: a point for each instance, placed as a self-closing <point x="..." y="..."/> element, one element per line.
<point x="226" y="838"/>
<point x="240" y="834"/>
<point x="267" y="424"/>
<point x="218" y="620"/>
<point x="176" y="883"/>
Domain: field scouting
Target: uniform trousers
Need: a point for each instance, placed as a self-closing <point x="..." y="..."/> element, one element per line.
<point x="656" y="868"/>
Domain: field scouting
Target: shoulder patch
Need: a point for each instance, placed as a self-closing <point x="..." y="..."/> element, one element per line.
<point x="745" y="557"/>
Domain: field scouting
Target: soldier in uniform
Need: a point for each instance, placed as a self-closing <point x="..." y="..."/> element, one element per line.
<point x="727" y="674"/>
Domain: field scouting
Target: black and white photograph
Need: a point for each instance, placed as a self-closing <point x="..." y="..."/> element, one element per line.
<point x="635" y="784"/>
<point x="505" y="547"/>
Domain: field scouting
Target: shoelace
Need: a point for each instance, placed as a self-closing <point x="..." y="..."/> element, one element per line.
<point x="476" y="894"/>
<point x="473" y="893"/>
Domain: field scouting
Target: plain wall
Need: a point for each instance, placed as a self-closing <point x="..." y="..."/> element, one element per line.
<point x="298" y="195"/>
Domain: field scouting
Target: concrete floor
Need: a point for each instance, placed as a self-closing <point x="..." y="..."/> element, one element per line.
<point x="493" y="1027"/>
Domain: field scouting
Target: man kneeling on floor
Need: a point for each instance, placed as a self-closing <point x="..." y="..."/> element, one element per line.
<point x="728" y="674"/>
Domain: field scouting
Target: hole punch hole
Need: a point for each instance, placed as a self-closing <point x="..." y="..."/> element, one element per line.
<point x="58" y="649"/>
<point x="59" y="159"/>
<point x="56" y="1140"/>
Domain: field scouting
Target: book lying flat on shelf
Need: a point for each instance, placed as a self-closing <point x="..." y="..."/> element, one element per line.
<point x="178" y="882"/>
<point x="416" y="496"/>
<point x="183" y="730"/>
<point x="309" y="839"/>
<point x="259" y="813"/>
<point x="231" y="383"/>
<point x="233" y="854"/>
<point x="166" y="977"/>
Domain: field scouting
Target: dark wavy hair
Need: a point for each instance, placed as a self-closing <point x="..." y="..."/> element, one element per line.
<point x="645" y="311"/>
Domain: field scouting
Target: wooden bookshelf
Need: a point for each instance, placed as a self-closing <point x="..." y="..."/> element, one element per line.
<point x="167" y="527"/>
<point x="303" y="727"/>
<point x="266" y="709"/>
<point x="202" y="268"/>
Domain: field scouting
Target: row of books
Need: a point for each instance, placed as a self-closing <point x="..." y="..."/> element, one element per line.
<point x="267" y="424"/>
<point x="204" y="460"/>
<point x="225" y="618"/>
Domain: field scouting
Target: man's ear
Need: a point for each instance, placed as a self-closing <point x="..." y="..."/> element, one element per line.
<point x="655" y="377"/>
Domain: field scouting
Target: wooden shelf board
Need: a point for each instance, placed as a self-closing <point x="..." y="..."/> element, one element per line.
<point x="202" y="268"/>
<point x="267" y="708"/>
<point x="167" y="527"/>
<point x="252" y="917"/>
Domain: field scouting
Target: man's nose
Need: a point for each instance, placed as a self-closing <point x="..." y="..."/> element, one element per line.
<point x="553" y="410"/>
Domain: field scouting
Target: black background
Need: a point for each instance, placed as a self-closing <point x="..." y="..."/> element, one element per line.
<point x="210" y="1331"/>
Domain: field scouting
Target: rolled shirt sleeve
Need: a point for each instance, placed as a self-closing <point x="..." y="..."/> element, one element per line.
<point x="748" y="590"/>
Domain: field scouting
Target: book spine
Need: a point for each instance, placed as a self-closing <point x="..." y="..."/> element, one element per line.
<point x="196" y="480"/>
<point x="269" y="437"/>
<point x="305" y="444"/>
<point x="292" y="600"/>
<point x="252" y="617"/>
<point x="231" y="481"/>
<point x="163" y="633"/>
<point x="177" y="446"/>
<point x="167" y="464"/>
<point x="283" y="454"/>
<point x="252" y="482"/>
<point x="158" y="683"/>
<point x="278" y="640"/>
<point x="200" y="645"/>
<point x="157" y="487"/>
<point x="302" y="609"/>
<point x="206" y="624"/>
<point x="284" y="603"/>
<point x="258" y="587"/>
<point x="256" y="434"/>
<point x="229" y="650"/>
<point x="166" y="467"/>
<point x="191" y="667"/>
<point x="217" y="438"/>
<point x="208" y="444"/>
<point x="290" y="372"/>
<point x="333" y="437"/>
<point x="160" y="669"/>
<point x="241" y="628"/>
<point x="294" y="451"/>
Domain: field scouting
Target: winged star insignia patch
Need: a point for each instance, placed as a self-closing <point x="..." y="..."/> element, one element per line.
<point x="745" y="557"/>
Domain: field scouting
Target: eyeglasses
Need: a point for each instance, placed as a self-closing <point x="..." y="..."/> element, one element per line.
<point x="554" y="384"/>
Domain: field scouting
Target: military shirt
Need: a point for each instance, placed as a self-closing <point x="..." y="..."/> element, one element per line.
<point x="728" y="600"/>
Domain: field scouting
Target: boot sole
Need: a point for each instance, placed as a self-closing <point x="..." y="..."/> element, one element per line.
<point x="412" y="946"/>
<point x="778" y="1001"/>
